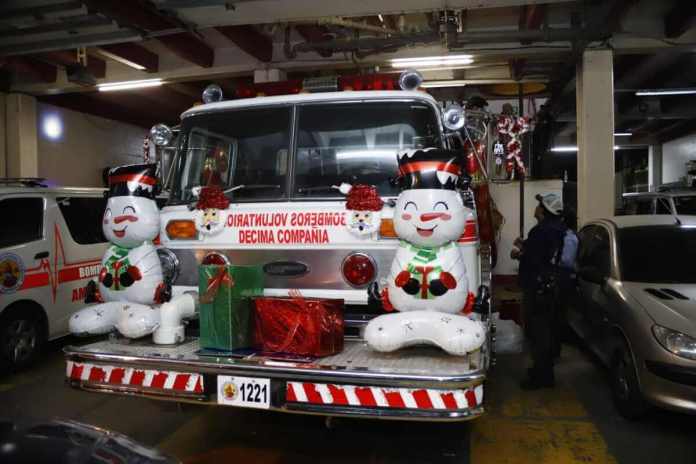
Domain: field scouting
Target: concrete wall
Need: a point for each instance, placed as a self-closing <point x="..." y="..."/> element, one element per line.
<point x="507" y="198"/>
<point x="84" y="147"/>
<point x="675" y="154"/>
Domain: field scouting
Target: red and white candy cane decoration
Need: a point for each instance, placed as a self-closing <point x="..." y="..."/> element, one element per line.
<point x="513" y="127"/>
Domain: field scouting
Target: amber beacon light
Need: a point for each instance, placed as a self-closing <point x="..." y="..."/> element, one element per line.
<point x="181" y="229"/>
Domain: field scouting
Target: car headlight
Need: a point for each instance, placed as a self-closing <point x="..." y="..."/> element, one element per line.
<point x="675" y="342"/>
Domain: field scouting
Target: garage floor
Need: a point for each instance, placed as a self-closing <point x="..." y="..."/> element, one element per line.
<point x="575" y="422"/>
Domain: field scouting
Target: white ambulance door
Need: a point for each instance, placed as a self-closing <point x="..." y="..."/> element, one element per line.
<point x="25" y="239"/>
<point x="79" y="247"/>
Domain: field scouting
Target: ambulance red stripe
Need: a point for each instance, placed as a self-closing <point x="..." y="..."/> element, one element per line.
<point x="396" y="398"/>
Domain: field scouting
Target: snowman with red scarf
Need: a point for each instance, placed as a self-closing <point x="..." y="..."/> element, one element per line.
<point x="131" y="287"/>
<point x="428" y="282"/>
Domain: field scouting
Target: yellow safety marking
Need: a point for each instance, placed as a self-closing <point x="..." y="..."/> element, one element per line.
<point x="543" y="426"/>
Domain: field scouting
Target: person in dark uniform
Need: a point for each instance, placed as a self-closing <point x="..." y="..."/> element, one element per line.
<point x="538" y="257"/>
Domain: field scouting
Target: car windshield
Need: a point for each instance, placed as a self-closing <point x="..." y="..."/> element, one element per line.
<point x="249" y="149"/>
<point x="658" y="254"/>
<point x="685" y="204"/>
<point x="357" y="143"/>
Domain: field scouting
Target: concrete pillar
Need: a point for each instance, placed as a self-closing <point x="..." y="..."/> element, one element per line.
<point x="3" y="137"/>
<point x="22" y="150"/>
<point x="595" y="119"/>
<point x="655" y="166"/>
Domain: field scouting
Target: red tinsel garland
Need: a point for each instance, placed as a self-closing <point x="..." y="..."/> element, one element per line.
<point x="364" y="198"/>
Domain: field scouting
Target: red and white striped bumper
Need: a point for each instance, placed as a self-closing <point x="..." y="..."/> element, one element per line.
<point x="384" y="397"/>
<point x="136" y="378"/>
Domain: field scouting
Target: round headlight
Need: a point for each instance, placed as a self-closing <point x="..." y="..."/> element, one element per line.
<point x="161" y="134"/>
<point x="170" y="264"/>
<point x="453" y="117"/>
<point x="212" y="94"/>
<point x="410" y="79"/>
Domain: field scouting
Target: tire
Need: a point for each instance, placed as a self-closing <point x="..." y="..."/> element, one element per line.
<point x="625" y="388"/>
<point x="22" y="336"/>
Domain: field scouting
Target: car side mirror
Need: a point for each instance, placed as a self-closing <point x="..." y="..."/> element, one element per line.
<point x="592" y="275"/>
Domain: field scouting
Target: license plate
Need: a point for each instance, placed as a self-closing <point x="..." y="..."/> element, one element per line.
<point x="245" y="392"/>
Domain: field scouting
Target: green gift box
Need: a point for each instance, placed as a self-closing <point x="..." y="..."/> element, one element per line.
<point x="226" y="310"/>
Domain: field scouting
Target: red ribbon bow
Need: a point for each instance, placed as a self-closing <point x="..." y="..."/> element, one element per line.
<point x="221" y="277"/>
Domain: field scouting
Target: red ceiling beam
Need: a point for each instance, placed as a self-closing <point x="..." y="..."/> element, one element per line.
<point x="250" y="40"/>
<point x="190" y="48"/>
<point x="532" y="16"/>
<point x="132" y="55"/>
<point x="95" y="65"/>
<point x="36" y="69"/>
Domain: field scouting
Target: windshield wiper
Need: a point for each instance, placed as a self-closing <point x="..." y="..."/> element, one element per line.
<point x="321" y="188"/>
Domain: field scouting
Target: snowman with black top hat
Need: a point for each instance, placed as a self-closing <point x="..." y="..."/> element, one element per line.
<point x="428" y="281"/>
<point x="131" y="287"/>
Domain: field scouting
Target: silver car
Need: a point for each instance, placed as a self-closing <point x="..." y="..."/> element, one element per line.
<point x="637" y="308"/>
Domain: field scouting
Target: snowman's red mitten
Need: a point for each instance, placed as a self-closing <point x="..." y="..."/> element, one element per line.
<point x="402" y="278"/>
<point x="448" y="280"/>
<point x="134" y="272"/>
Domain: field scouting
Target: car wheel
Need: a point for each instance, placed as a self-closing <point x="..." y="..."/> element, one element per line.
<point x="625" y="388"/>
<point x="21" y="339"/>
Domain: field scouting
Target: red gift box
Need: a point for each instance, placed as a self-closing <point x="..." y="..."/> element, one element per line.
<point x="302" y="326"/>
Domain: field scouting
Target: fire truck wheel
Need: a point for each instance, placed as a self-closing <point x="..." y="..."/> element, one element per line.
<point x="22" y="335"/>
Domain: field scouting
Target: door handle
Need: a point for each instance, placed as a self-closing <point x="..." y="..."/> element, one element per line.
<point x="41" y="255"/>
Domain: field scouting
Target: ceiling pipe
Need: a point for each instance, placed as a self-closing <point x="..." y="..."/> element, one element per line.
<point x="355" y="25"/>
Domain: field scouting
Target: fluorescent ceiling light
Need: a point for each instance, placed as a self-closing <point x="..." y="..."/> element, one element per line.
<point x="571" y="148"/>
<point x="449" y="83"/>
<point x="381" y="19"/>
<point x="120" y="59"/>
<point x="129" y="85"/>
<point x="432" y="61"/>
<point x="648" y="93"/>
<point x="622" y="134"/>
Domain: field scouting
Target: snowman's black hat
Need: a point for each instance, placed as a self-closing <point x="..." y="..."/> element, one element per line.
<point x="429" y="168"/>
<point x="137" y="180"/>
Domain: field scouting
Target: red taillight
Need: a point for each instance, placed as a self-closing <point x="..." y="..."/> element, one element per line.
<point x="358" y="269"/>
<point x="216" y="259"/>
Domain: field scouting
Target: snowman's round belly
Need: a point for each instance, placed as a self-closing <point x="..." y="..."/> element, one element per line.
<point x="141" y="291"/>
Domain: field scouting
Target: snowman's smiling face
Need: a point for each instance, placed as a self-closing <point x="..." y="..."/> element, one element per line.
<point x="430" y="217"/>
<point x="130" y="221"/>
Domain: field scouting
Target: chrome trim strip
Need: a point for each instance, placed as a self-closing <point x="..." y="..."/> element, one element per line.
<point x="311" y="373"/>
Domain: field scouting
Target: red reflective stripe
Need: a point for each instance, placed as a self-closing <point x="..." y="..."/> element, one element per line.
<point x="159" y="379"/>
<point x="394" y="399"/>
<point x="137" y="378"/>
<point x="76" y="371"/>
<point x="181" y="381"/>
<point x="365" y="396"/>
<point x="35" y="280"/>
<point x="290" y="395"/>
<point x="422" y="399"/>
<point x="313" y="395"/>
<point x="471" y="398"/>
<point x="199" y="385"/>
<point x="97" y="374"/>
<point x="449" y="401"/>
<point x="338" y="395"/>
<point x="117" y="375"/>
<point x="132" y="177"/>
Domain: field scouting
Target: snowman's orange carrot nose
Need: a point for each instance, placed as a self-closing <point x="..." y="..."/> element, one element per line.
<point x="431" y="216"/>
<point x="127" y="217"/>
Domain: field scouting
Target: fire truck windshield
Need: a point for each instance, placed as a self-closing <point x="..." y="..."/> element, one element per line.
<point x="334" y="143"/>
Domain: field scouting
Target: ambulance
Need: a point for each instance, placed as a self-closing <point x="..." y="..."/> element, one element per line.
<point x="280" y="157"/>
<point x="51" y="244"/>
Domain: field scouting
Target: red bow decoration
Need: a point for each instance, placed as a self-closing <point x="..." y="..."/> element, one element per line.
<point x="221" y="277"/>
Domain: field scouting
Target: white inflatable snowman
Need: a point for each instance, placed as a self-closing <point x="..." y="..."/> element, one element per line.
<point x="428" y="282"/>
<point x="131" y="283"/>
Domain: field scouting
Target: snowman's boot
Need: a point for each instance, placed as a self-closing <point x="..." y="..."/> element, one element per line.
<point x="456" y="334"/>
<point x="96" y="319"/>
